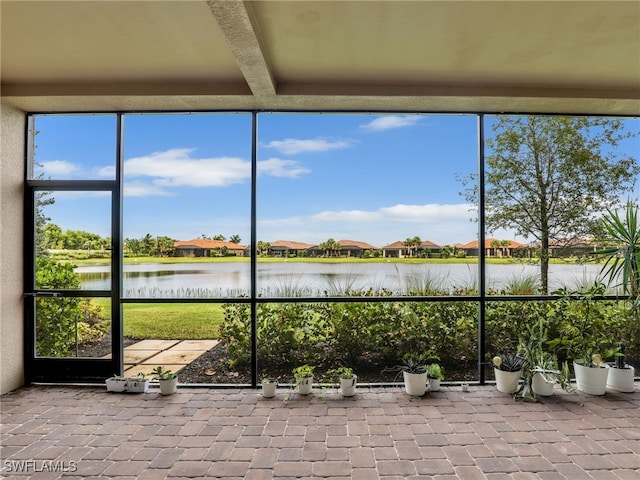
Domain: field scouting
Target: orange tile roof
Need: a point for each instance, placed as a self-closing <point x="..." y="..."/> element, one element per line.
<point x="487" y="244"/>
<point x="290" y="245"/>
<point x="208" y="244"/>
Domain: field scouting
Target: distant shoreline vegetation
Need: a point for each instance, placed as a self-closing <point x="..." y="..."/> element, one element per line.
<point x="88" y="260"/>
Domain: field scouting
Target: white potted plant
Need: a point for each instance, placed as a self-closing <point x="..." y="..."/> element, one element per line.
<point x="435" y="375"/>
<point x="414" y="374"/>
<point x="167" y="380"/>
<point x="585" y="341"/>
<point x="269" y="386"/>
<point x="138" y="384"/>
<point x="507" y="369"/>
<point x="347" y="380"/>
<point x="303" y="376"/>
<point x="541" y="372"/>
<point x="621" y="375"/>
<point x="622" y="267"/>
<point x="116" y="383"/>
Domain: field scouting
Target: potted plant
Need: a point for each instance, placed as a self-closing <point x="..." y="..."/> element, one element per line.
<point x="303" y="378"/>
<point x="621" y="375"/>
<point x="622" y="268"/>
<point x="347" y="380"/>
<point x="167" y="380"/>
<point x="507" y="369"/>
<point x="435" y="374"/>
<point x="414" y="374"/>
<point x="269" y="386"/>
<point x="585" y="341"/>
<point x="138" y="384"/>
<point x="116" y="383"/>
<point x="542" y="372"/>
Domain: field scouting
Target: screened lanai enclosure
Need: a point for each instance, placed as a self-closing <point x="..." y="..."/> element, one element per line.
<point x="240" y="244"/>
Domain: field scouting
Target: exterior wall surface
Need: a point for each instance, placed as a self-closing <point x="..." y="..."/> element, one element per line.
<point x="12" y="127"/>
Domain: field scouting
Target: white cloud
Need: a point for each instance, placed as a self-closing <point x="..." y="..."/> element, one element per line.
<point x="277" y="167"/>
<point x="292" y="146"/>
<point x="59" y="169"/>
<point x="391" y="121"/>
<point x="141" y="189"/>
<point x="177" y="168"/>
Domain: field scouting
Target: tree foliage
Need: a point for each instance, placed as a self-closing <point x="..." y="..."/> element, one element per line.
<point x="549" y="178"/>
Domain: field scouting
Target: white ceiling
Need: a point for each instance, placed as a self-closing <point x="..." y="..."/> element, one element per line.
<point x="518" y="56"/>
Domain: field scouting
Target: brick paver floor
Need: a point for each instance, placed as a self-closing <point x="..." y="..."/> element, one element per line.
<point x="51" y="432"/>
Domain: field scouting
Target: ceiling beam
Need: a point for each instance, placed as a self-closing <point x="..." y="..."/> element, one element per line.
<point x="236" y="20"/>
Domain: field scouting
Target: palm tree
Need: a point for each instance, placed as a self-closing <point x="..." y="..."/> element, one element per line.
<point x="235" y="239"/>
<point x="412" y="245"/>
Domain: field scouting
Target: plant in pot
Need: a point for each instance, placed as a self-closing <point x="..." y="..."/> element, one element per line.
<point x="622" y="268"/>
<point x="269" y="386"/>
<point x="585" y="340"/>
<point x="167" y="380"/>
<point x="507" y="369"/>
<point x="116" y="383"/>
<point x="303" y="376"/>
<point x="435" y="374"/>
<point x="138" y="384"/>
<point x="414" y="374"/>
<point x="346" y="378"/>
<point x="541" y="373"/>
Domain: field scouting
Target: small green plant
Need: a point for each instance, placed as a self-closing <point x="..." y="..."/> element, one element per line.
<point x="303" y="371"/>
<point x="435" y="371"/>
<point x="341" y="372"/>
<point x="161" y="373"/>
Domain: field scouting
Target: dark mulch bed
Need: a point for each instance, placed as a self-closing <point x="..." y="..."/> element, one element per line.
<point x="213" y="367"/>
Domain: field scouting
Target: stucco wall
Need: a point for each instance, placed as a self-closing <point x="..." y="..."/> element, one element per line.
<point x="11" y="247"/>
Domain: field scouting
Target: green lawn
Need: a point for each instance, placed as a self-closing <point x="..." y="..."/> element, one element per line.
<point x="184" y="321"/>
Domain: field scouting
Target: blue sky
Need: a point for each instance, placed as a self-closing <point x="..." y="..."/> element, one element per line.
<point x="372" y="178"/>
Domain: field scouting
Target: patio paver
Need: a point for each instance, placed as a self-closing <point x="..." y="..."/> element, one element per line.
<point x="380" y="433"/>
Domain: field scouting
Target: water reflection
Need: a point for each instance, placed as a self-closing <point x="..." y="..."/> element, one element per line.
<point x="317" y="279"/>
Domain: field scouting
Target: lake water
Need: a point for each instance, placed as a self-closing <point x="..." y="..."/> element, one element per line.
<point x="289" y="278"/>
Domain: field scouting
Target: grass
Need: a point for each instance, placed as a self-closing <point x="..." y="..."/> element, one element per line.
<point x="180" y="321"/>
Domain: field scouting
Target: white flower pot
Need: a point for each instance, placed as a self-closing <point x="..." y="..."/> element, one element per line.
<point x="116" y="384"/>
<point x="269" y="389"/>
<point x="591" y="380"/>
<point x="304" y="385"/>
<point x="137" y="385"/>
<point x="168" y="387"/>
<point x="507" y="382"/>
<point x="621" y="379"/>
<point x="348" y="386"/>
<point x="541" y="386"/>
<point x="434" y="384"/>
<point x="415" y="383"/>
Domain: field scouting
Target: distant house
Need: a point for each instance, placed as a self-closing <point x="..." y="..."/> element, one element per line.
<point x="400" y="250"/>
<point x="493" y="248"/>
<point x="207" y="248"/>
<point x="348" y="248"/>
<point x="286" y="248"/>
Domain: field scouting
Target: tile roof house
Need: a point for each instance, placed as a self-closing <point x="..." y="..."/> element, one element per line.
<point x="491" y="248"/>
<point x="400" y="250"/>
<point x="284" y="248"/>
<point x="348" y="248"/>
<point x="207" y="248"/>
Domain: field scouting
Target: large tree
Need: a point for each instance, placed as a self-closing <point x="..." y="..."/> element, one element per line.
<point x="549" y="178"/>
